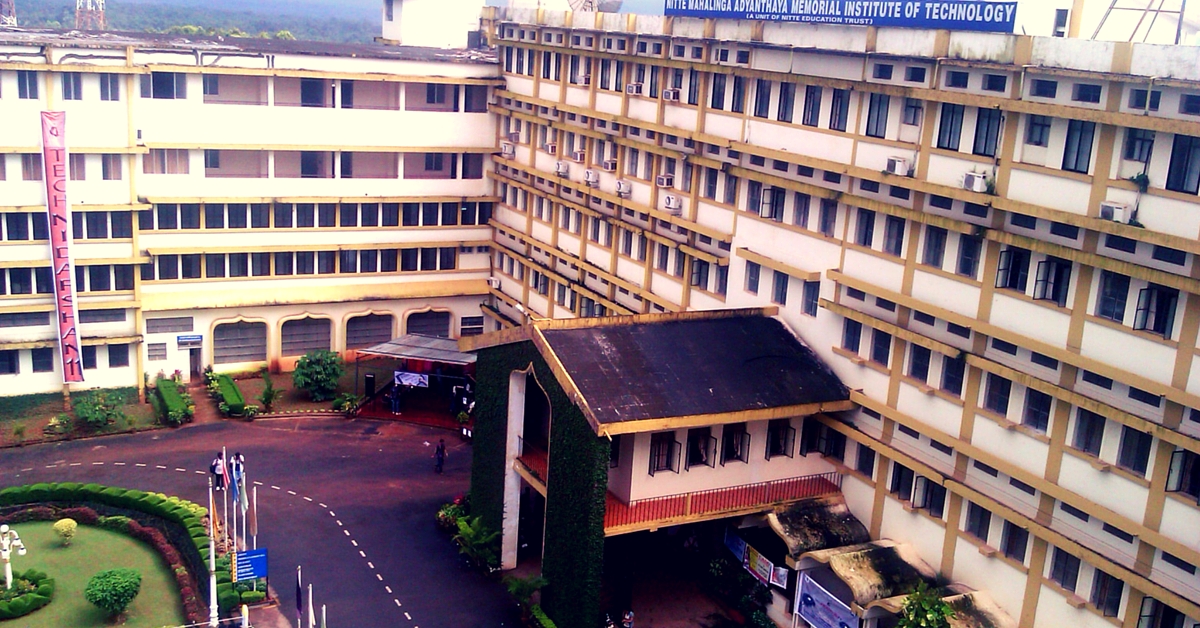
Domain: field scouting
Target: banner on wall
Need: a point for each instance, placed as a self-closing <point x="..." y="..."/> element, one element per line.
<point x="54" y="161"/>
<point x="820" y="608"/>
<point x="963" y="15"/>
<point x="405" y="378"/>
<point x="754" y="562"/>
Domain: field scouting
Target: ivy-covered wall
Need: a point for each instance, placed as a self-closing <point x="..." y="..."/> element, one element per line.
<point x="573" y="551"/>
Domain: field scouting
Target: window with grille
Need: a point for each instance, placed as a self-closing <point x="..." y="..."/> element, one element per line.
<point x="239" y="342"/>
<point x="299" y="337"/>
<point x="735" y="443"/>
<point x="664" y="453"/>
<point x="1037" y="130"/>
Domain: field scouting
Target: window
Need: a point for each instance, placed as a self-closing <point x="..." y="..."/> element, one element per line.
<point x="31" y="167"/>
<point x="1037" y="131"/>
<point x="787" y="101"/>
<point x="953" y="372"/>
<point x="89" y="357"/>
<point x="1037" y="410"/>
<point x="995" y="82"/>
<point x="851" y="335"/>
<point x="864" y="233"/>
<point x="950" y="127"/>
<point x="893" y="236"/>
<point x="110" y="167"/>
<point x="979" y="521"/>
<point x="1183" y="174"/>
<point x="72" y="86"/>
<point x="164" y="85"/>
<point x="118" y="356"/>
<point x="877" y="115"/>
<point x="827" y="218"/>
<point x="1110" y="302"/>
<point x="1043" y="88"/>
<point x="902" y="482"/>
<point x="840" y="113"/>
<point x="935" y="246"/>
<point x="739" y="95"/>
<point x="1086" y="92"/>
<point x="969" y="250"/>
<point x="77" y="164"/>
<point x="913" y="108"/>
<point x="165" y="161"/>
<point x="753" y="271"/>
<point x="987" y="132"/>
<point x="929" y="496"/>
<point x="957" y="79"/>
<point x="779" y="287"/>
<point x="718" y="92"/>
<point x="996" y="394"/>
<point x="918" y="362"/>
<point x="865" y="463"/>
<point x="43" y="360"/>
<point x="1156" y="310"/>
<point x="1138" y="99"/>
<point x="701" y="448"/>
<point x="812" y="105"/>
<point x="881" y="347"/>
<point x="781" y="438"/>
<point x="762" y="99"/>
<point x="1106" y="593"/>
<point x="1138" y="144"/>
<point x="1064" y="569"/>
<point x="110" y="87"/>
<point x="735" y="443"/>
<point x="1077" y="155"/>
<point x="27" y="85"/>
<point x="1134" y="453"/>
<point x="1184" y="475"/>
<point x="883" y="71"/>
<point x="914" y="74"/>
<point x="1013" y="271"/>
<point x="1089" y="431"/>
<point x="1053" y="280"/>
<point x="1015" y="541"/>
<point x="664" y="452"/>
<point x="812" y="294"/>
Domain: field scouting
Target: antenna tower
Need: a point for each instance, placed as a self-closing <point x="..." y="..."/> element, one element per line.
<point x="8" y="13"/>
<point x="583" y="5"/>
<point x="1152" y="10"/>
<point x="89" y="15"/>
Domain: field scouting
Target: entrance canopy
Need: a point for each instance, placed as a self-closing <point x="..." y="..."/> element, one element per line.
<point x="418" y="347"/>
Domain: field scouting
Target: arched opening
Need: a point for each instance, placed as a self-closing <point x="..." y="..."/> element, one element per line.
<point x="369" y="330"/>
<point x="239" y="342"/>
<point x="535" y="437"/>
<point x="300" y="336"/>
<point x="429" y="324"/>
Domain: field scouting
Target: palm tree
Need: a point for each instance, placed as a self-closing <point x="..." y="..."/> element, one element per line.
<point x="475" y="541"/>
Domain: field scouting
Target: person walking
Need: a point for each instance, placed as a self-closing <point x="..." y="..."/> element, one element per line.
<point x="439" y="456"/>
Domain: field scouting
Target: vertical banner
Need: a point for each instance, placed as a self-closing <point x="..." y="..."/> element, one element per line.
<point x="54" y="159"/>
<point x="820" y="608"/>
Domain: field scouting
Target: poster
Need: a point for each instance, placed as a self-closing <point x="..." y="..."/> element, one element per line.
<point x="820" y="608"/>
<point x="54" y="160"/>
<point x="405" y="378"/>
<point x="963" y="15"/>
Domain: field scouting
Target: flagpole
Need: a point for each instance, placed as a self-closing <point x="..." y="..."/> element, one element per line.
<point x="323" y="616"/>
<point x="212" y="561"/>
<point x="225" y="494"/>
<point x="255" y="518"/>
<point x="299" y="598"/>
<point x="312" y="618"/>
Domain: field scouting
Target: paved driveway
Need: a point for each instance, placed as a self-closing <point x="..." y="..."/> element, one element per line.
<point x="352" y="501"/>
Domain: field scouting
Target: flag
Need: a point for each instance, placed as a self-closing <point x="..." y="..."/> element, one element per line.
<point x="299" y="598"/>
<point x="225" y="470"/>
<point x="234" y="483"/>
<point x="212" y="515"/>
<point x="252" y="520"/>
<point x="243" y="493"/>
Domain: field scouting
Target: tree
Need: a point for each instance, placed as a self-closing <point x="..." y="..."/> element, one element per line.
<point x="318" y="373"/>
<point x="270" y="394"/>
<point x="522" y="590"/>
<point x="925" y="609"/>
<point x="113" y="590"/>
<point x="65" y="529"/>
<point x="475" y="541"/>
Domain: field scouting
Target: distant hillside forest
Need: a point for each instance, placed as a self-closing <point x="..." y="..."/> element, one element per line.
<point x="147" y="17"/>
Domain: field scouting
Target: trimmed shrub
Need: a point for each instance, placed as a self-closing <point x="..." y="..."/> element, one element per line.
<point x="25" y="604"/>
<point x="539" y="616"/>
<point x="231" y="395"/>
<point x="227" y="598"/>
<point x="39" y="492"/>
<point x="65" y="529"/>
<point x="253" y="597"/>
<point x="113" y="590"/>
<point x="176" y="409"/>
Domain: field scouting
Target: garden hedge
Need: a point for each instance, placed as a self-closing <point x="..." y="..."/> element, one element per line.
<point x="231" y="395"/>
<point x="573" y="548"/>
<point x="175" y="408"/>
<point x="26" y="604"/>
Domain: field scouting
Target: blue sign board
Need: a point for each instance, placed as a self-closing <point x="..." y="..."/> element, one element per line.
<point x="249" y="565"/>
<point x="965" y="15"/>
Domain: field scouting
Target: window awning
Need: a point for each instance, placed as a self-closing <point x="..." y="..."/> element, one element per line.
<point x="418" y="347"/>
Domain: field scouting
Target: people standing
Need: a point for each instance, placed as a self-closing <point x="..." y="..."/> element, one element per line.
<point x="217" y="469"/>
<point x="439" y="456"/>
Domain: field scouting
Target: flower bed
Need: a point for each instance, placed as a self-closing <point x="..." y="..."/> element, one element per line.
<point x="174" y="527"/>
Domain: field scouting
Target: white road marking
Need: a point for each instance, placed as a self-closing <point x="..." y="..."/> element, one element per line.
<point x="139" y="464"/>
<point x="362" y="553"/>
<point x="370" y="564"/>
<point x="119" y="464"/>
<point x="308" y="499"/>
<point x="407" y="616"/>
<point x="74" y="464"/>
<point x="274" y="487"/>
<point x="339" y="522"/>
<point x="257" y="483"/>
<point x="199" y="473"/>
<point x="181" y="470"/>
<point x="396" y="601"/>
<point x="331" y="514"/>
<point x="51" y="466"/>
<point x="29" y="469"/>
<point x="291" y="492"/>
<point x="389" y="590"/>
<point x="346" y="531"/>
<point x="159" y="466"/>
<point x="381" y="580"/>
<point x="354" y="543"/>
<point x="322" y="505"/>
<point x="97" y="463"/>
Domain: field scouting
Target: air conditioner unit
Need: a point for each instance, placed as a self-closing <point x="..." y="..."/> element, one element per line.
<point x="551" y="147"/>
<point x="508" y="150"/>
<point x="897" y="166"/>
<point x="670" y="95"/>
<point x="493" y="283"/>
<point x="975" y="182"/>
<point x="624" y="189"/>
<point x="561" y="168"/>
<point x="674" y="204"/>
<point x="579" y="156"/>
<point x="591" y="177"/>
<point x="665" y="181"/>
<point x="583" y="79"/>
<point x="1115" y="212"/>
<point x="515" y="138"/>
<point x="610" y="165"/>
<point x="634" y="89"/>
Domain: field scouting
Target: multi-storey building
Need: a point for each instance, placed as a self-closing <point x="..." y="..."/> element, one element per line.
<point x="240" y="202"/>
<point x="990" y="238"/>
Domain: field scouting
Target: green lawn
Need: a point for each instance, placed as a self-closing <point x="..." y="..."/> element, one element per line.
<point x="94" y="550"/>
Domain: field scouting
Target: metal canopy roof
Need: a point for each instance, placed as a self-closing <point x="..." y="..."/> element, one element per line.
<point x="418" y="347"/>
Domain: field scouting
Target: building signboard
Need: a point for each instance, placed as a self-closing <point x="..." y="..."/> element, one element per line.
<point x="189" y="342"/>
<point x="54" y="160"/>
<point x="963" y="15"/>
<point x="249" y="565"/>
<point x="820" y="608"/>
